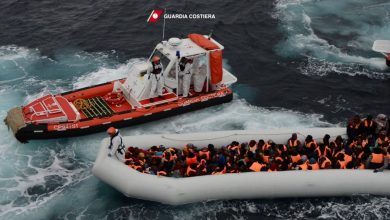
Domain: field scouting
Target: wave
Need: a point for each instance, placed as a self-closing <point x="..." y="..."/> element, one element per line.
<point x="333" y="36"/>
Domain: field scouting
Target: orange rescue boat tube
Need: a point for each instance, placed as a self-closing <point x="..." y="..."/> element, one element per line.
<point x="215" y="56"/>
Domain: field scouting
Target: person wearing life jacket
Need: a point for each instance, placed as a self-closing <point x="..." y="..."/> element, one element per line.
<point x="325" y="163"/>
<point x="326" y="140"/>
<point x="191" y="159"/>
<point x="310" y="143"/>
<point x="303" y="163"/>
<point x="116" y="146"/>
<point x="155" y="74"/>
<point x="201" y="168"/>
<point x="191" y="170"/>
<point x="358" y="143"/>
<point x="256" y="166"/>
<point x="354" y="128"/>
<point x="293" y="142"/>
<point x="323" y="150"/>
<point x="167" y="163"/>
<point x="252" y="146"/>
<point x="205" y="153"/>
<point x="295" y="157"/>
<point x="381" y="138"/>
<point x="313" y="165"/>
<point x="386" y="161"/>
<point x="185" y="73"/>
<point x="376" y="159"/>
<point x="266" y="156"/>
<point x="340" y="161"/>
<point x="368" y="126"/>
<point x="337" y="144"/>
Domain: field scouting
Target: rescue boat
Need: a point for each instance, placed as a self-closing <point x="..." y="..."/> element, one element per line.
<point x="127" y="101"/>
<point x="252" y="185"/>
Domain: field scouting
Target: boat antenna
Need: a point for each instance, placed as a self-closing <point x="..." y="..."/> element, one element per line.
<point x="163" y="33"/>
<point x="211" y="33"/>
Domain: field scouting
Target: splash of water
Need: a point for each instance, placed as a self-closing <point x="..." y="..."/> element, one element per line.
<point x="334" y="36"/>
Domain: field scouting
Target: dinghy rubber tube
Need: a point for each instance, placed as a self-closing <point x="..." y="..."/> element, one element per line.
<point x="282" y="184"/>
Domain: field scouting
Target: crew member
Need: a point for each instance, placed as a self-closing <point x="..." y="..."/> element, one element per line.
<point x="185" y="74"/>
<point x="116" y="146"/>
<point x="156" y="76"/>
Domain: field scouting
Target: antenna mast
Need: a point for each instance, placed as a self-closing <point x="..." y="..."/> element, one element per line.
<point x="163" y="34"/>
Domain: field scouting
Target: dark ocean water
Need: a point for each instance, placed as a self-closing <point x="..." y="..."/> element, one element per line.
<point x="300" y="63"/>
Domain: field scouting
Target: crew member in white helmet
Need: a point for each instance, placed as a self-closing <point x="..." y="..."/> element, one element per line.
<point x="116" y="146"/>
<point x="155" y="73"/>
<point x="185" y="74"/>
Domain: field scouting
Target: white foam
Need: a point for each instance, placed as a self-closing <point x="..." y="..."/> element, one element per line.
<point x="12" y="52"/>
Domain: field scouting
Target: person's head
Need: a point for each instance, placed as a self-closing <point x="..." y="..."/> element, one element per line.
<point x="294" y="136"/>
<point x="111" y="131"/>
<point x="309" y="138"/>
<point x="369" y="117"/>
<point x="339" y="139"/>
<point x="261" y="142"/>
<point x="356" y="119"/>
<point x="156" y="59"/>
<point x="326" y="138"/>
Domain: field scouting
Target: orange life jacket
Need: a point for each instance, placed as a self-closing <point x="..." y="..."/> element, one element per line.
<point x="207" y="153"/>
<point x="292" y="143"/>
<point x="361" y="166"/>
<point x="303" y="166"/>
<point x="377" y="158"/>
<point x="161" y="173"/>
<point x="380" y="141"/>
<point x="278" y="158"/>
<point x="324" y="163"/>
<point x="343" y="164"/>
<point x="368" y="125"/>
<point x="296" y="158"/>
<point x="190" y="171"/>
<point x="354" y="126"/>
<point x="266" y="159"/>
<point x="347" y="158"/>
<point x="326" y="149"/>
<point x="266" y="146"/>
<point x="310" y="143"/>
<point x="314" y="166"/>
<point x="256" y="166"/>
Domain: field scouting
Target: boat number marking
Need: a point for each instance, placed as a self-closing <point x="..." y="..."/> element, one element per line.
<point x="203" y="98"/>
<point x="63" y="127"/>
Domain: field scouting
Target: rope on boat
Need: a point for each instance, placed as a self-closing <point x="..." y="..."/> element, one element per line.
<point x="235" y="134"/>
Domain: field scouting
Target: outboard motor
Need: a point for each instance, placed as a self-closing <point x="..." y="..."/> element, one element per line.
<point x="388" y="60"/>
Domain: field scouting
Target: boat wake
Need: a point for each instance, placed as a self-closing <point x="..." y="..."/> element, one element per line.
<point x="335" y="36"/>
